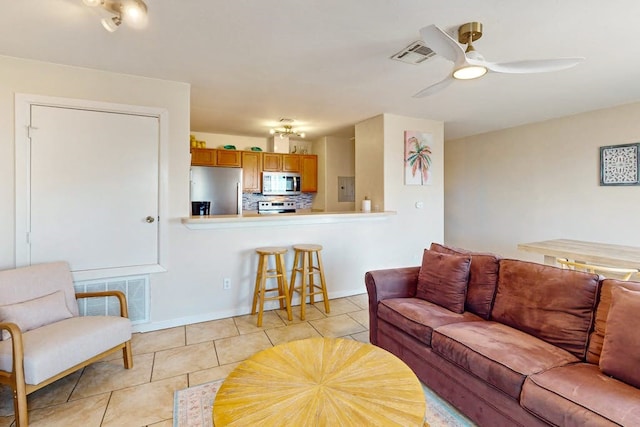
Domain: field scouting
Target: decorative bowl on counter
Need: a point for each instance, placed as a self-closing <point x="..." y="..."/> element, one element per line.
<point x="229" y="147"/>
<point x="256" y="149"/>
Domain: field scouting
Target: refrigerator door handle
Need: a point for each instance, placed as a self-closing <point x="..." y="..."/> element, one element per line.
<point x="239" y="197"/>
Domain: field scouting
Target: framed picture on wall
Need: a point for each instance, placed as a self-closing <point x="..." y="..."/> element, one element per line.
<point x="417" y="157"/>
<point x="620" y="164"/>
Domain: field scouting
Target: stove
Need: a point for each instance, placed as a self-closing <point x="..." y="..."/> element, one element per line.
<point x="276" y="207"/>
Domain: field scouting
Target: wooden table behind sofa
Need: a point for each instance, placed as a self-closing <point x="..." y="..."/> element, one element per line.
<point x="589" y="252"/>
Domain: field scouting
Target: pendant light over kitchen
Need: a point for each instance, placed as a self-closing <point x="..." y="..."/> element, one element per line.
<point x="287" y="129"/>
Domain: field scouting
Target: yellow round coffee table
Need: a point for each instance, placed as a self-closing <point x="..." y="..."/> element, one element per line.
<point x="321" y="382"/>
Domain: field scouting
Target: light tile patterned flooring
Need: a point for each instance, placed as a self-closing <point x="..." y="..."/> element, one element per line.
<point x="107" y="395"/>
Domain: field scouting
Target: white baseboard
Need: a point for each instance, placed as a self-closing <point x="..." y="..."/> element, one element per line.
<point x="236" y="311"/>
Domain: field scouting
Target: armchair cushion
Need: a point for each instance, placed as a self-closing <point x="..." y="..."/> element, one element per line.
<point x="59" y="346"/>
<point x="35" y="312"/>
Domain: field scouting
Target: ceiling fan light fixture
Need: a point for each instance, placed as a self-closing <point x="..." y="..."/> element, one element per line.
<point x="469" y="72"/>
<point x="134" y="12"/>
<point x="111" y="24"/>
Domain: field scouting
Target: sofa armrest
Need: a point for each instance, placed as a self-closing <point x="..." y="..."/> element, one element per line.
<point x="384" y="284"/>
<point x="124" y="311"/>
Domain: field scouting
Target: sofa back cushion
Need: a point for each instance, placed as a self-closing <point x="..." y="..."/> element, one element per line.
<point x="550" y="303"/>
<point x="483" y="278"/>
<point x="602" y="312"/>
<point x="443" y="279"/>
<point x="620" y="356"/>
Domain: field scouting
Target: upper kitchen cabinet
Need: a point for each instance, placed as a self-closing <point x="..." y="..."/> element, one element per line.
<point x="213" y="157"/>
<point x="251" y="171"/>
<point x="271" y="162"/>
<point x="309" y="173"/>
<point x="291" y="162"/>
<point x="203" y="157"/>
<point x="228" y="158"/>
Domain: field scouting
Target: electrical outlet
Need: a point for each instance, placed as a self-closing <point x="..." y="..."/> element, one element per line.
<point x="226" y="283"/>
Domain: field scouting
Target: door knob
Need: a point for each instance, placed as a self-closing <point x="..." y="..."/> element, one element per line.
<point x="150" y="219"/>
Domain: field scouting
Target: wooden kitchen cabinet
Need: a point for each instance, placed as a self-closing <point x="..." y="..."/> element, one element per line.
<point x="291" y="162"/>
<point x="203" y="157"/>
<point x="251" y="172"/>
<point x="214" y="157"/>
<point x="271" y="162"/>
<point x="309" y="173"/>
<point x="228" y="158"/>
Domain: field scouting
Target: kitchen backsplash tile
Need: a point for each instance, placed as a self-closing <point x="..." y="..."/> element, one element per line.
<point x="250" y="200"/>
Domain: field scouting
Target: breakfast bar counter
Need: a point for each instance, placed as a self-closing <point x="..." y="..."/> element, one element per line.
<point x="257" y="220"/>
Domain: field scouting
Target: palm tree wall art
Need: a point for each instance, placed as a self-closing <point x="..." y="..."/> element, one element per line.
<point x="417" y="157"/>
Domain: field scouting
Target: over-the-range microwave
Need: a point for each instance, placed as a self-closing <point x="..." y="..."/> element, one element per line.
<point x="280" y="183"/>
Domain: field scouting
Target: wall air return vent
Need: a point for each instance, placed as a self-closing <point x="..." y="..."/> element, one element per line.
<point x="135" y="288"/>
<point x="416" y="53"/>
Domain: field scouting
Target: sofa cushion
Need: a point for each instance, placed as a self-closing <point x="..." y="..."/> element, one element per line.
<point x="483" y="278"/>
<point x="620" y="356"/>
<point x="550" y="303"/>
<point x="418" y="317"/>
<point x="602" y="312"/>
<point x="59" y="346"/>
<point x="35" y="313"/>
<point x="443" y="279"/>
<point x="495" y="353"/>
<point x="581" y="395"/>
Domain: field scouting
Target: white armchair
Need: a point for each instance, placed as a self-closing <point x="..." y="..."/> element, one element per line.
<point x="43" y="337"/>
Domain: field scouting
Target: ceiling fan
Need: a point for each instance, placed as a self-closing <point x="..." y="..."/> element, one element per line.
<point x="469" y="64"/>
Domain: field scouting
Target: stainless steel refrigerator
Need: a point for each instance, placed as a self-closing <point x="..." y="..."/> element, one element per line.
<point x="220" y="186"/>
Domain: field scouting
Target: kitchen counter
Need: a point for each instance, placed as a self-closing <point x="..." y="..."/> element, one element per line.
<point x="256" y="220"/>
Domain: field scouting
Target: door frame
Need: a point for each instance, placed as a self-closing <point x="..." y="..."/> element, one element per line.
<point x="23" y="103"/>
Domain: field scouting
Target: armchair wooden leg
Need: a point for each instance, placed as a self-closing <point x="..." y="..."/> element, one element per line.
<point x="127" y="355"/>
<point x="20" y="405"/>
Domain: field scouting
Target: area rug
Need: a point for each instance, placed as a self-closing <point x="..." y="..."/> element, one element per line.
<point x="192" y="408"/>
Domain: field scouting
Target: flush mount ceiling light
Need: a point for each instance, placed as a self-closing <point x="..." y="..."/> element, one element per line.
<point x="287" y="129"/>
<point x="133" y="12"/>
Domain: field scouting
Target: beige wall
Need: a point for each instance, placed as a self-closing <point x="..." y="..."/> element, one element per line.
<point x="380" y="146"/>
<point x="338" y="159"/>
<point x="198" y="260"/>
<point x="369" y="153"/>
<point x="39" y="78"/>
<point x="218" y="140"/>
<point x="538" y="182"/>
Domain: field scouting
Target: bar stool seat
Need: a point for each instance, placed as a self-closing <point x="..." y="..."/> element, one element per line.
<point x="263" y="273"/>
<point x="303" y="264"/>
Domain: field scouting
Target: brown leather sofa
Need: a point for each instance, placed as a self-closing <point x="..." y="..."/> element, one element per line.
<point x="526" y="345"/>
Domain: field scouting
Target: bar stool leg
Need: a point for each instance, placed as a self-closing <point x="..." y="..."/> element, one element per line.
<point x="310" y="274"/>
<point x="284" y="292"/>
<point x="294" y="271"/>
<point x="303" y="288"/>
<point x="263" y="288"/>
<point x="279" y="279"/>
<point x="256" y="290"/>
<point x="325" y="296"/>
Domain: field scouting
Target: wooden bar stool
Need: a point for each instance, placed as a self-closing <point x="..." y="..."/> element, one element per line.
<point x="264" y="273"/>
<point x="303" y="264"/>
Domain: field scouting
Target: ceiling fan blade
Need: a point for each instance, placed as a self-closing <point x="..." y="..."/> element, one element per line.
<point x="533" y="66"/>
<point x="442" y="44"/>
<point x="437" y="87"/>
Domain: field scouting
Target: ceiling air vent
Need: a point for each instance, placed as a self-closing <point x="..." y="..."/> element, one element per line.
<point x="415" y="53"/>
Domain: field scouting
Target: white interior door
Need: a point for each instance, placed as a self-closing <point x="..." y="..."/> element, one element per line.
<point x="93" y="183"/>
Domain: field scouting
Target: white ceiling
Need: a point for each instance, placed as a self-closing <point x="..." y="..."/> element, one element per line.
<point x="326" y="62"/>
